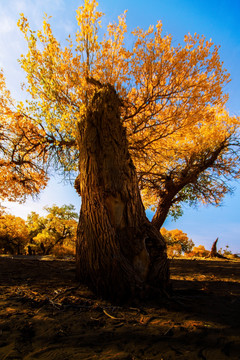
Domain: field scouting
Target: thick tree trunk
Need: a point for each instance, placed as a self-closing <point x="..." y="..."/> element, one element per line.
<point x="119" y="253"/>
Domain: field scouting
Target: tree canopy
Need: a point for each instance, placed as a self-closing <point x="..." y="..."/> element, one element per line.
<point x="177" y="242"/>
<point x="21" y="173"/>
<point x="13" y="234"/>
<point x="183" y="142"/>
<point x="58" y="228"/>
<point x="53" y="233"/>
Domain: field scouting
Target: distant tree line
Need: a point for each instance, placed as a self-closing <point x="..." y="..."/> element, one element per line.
<point x="54" y="233"/>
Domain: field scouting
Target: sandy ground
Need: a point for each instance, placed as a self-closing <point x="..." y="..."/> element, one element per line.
<point x="45" y="314"/>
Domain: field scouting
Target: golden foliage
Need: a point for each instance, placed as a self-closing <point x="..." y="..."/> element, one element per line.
<point x="177" y="242"/>
<point x="54" y="233"/>
<point x="202" y="156"/>
<point x="13" y="234"/>
<point x="20" y="173"/>
<point x="199" y="251"/>
<point x="172" y="103"/>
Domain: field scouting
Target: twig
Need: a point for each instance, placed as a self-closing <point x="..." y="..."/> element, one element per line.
<point x="65" y="291"/>
<point x="168" y="331"/>
<point x="112" y="317"/>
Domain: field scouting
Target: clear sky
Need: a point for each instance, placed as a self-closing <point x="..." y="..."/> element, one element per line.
<point x="215" y="19"/>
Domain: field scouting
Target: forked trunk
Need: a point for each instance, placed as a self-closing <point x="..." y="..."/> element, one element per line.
<point x="163" y="207"/>
<point x="119" y="253"/>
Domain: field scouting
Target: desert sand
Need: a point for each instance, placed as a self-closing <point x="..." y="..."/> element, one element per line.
<point x="46" y="314"/>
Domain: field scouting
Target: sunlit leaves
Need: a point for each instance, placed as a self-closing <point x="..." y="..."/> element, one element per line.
<point x="88" y="19"/>
<point x="58" y="227"/>
<point x="164" y="87"/>
<point x="13" y="234"/>
<point x="196" y="163"/>
<point x="20" y="170"/>
<point x="172" y="103"/>
<point x="177" y="242"/>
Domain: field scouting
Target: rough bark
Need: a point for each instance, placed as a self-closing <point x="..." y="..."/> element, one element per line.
<point x="119" y="253"/>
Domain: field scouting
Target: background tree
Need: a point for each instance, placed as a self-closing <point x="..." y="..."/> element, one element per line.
<point x="227" y="252"/>
<point x="13" y="234"/>
<point x="199" y="251"/>
<point x="57" y="229"/>
<point x="177" y="242"/>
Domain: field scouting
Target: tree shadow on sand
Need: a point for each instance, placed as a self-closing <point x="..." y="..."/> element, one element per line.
<point x="46" y="314"/>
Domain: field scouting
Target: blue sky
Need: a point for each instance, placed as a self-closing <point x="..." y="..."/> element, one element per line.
<point x="218" y="20"/>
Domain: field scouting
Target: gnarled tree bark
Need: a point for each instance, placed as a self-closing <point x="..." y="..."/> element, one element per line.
<point x="119" y="254"/>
